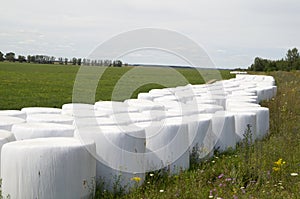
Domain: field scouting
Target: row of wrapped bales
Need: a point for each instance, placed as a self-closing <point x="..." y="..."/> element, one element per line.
<point x="116" y="143"/>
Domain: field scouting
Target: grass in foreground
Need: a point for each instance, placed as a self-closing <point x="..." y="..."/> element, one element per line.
<point x="267" y="169"/>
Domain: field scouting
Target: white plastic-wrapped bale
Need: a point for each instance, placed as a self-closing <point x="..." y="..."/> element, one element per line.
<point x="5" y="137"/>
<point x="165" y="91"/>
<point x="86" y="113"/>
<point x="81" y="110"/>
<point x="13" y="113"/>
<point x="42" y="130"/>
<point x="171" y="104"/>
<point x="188" y="109"/>
<point x="77" y="106"/>
<point x="113" y="107"/>
<point x="155" y="115"/>
<point x="40" y="110"/>
<point x="239" y="104"/>
<point x="145" y="96"/>
<point x="262" y="119"/>
<point x="155" y="95"/>
<point x="210" y="108"/>
<point x="269" y="92"/>
<point x="236" y="101"/>
<point x="48" y="168"/>
<point x="202" y="100"/>
<point x="220" y="100"/>
<point x="223" y="126"/>
<point x="274" y="91"/>
<point x="251" y="99"/>
<point x="120" y="155"/>
<point x="184" y="95"/>
<point x="144" y="105"/>
<point x="166" y="98"/>
<point x="243" y="121"/>
<point x="50" y="118"/>
<point x="262" y="94"/>
<point x="94" y="122"/>
<point x="243" y="93"/>
<point x="6" y="122"/>
<point x="168" y="145"/>
<point x="201" y="137"/>
<point x="130" y="118"/>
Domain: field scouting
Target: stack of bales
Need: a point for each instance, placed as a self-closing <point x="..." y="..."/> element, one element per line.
<point x="63" y="153"/>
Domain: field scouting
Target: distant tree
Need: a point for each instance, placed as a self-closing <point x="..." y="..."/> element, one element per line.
<point x="32" y="59"/>
<point x="293" y="59"/>
<point x="52" y="60"/>
<point x="28" y="58"/>
<point x="66" y="61"/>
<point x="60" y="60"/>
<point x="1" y="56"/>
<point x="258" y="64"/>
<point x="74" y="61"/>
<point x="87" y="62"/>
<point x="292" y="55"/>
<point x="117" y="63"/>
<point x="10" y="57"/>
<point x="107" y="62"/>
<point x="21" y="58"/>
<point x="79" y="61"/>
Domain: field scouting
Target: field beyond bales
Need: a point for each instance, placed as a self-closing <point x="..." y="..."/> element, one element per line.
<point x="27" y="85"/>
<point x="267" y="169"/>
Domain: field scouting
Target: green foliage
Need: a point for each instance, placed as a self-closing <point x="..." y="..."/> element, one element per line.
<point x="291" y="62"/>
<point x="21" y="58"/>
<point x="117" y="63"/>
<point x="10" y="57"/>
<point x="1" y="56"/>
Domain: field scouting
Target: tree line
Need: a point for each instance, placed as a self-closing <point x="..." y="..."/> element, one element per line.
<point x="290" y="62"/>
<point x="45" y="59"/>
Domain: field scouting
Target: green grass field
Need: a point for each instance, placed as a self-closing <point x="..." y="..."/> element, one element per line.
<point x="248" y="172"/>
<point x="26" y="85"/>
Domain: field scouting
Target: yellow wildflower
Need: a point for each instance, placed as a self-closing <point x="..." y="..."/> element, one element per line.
<point x="279" y="162"/>
<point x="136" y="179"/>
<point x="276" y="168"/>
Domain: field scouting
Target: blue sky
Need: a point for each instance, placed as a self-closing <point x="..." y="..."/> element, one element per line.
<point x="232" y="32"/>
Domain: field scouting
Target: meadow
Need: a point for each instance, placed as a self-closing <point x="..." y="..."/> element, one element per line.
<point x="269" y="168"/>
<point x="27" y="85"/>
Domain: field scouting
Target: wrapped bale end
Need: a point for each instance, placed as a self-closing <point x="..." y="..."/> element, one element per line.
<point x="48" y="168"/>
<point x="245" y="126"/>
<point x="42" y="130"/>
<point x="41" y="110"/>
<point x="5" y="137"/>
<point x="120" y="155"/>
<point x="50" y="118"/>
<point x="201" y="137"/>
<point x="168" y="145"/>
<point x="223" y="126"/>
<point x="13" y="113"/>
<point x="6" y="122"/>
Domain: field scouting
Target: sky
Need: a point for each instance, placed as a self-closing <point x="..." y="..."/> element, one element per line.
<point x="231" y="32"/>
